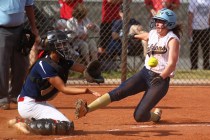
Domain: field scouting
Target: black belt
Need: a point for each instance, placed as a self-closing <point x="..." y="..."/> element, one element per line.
<point x="12" y="27"/>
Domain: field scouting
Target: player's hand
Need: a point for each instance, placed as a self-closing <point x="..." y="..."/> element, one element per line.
<point x="91" y="26"/>
<point x="93" y="92"/>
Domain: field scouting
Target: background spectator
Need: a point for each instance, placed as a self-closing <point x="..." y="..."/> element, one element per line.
<point x="82" y="27"/>
<point x="115" y="45"/>
<point x="66" y="10"/>
<point x="110" y="12"/>
<point x="199" y="31"/>
<point x="155" y="5"/>
<point x="14" y="65"/>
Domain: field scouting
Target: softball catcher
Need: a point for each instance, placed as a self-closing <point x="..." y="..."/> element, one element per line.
<point x="46" y="78"/>
<point x="163" y="44"/>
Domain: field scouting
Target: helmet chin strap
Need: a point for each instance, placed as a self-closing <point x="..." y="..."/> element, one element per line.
<point x="60" y="54"/>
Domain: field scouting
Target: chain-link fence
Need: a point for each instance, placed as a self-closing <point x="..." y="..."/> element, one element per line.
<point x="121" y="56"/>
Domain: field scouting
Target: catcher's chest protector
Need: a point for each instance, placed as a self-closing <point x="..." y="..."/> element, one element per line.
<point x="61" y="69"/>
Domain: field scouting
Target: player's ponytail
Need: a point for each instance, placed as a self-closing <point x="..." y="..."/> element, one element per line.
<point x="178" y="30"/>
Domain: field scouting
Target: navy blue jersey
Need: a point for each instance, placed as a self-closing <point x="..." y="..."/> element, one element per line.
<point x="41" y="71"/>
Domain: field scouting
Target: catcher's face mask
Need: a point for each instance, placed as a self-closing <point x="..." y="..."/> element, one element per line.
<point x="58" y="41"/>
<point x="63" y="49"/>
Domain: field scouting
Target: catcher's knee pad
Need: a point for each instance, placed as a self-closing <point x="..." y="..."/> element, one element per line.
<point x="50" y="127"/>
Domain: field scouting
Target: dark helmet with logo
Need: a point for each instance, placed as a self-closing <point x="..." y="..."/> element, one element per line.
<point x="57" y="41"/>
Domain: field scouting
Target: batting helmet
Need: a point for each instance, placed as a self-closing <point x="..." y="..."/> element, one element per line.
<point x="168" y="16"/>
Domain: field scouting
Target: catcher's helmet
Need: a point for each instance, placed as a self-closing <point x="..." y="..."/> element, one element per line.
<point x="57" y="40"/>
<point x="168" y="16"/>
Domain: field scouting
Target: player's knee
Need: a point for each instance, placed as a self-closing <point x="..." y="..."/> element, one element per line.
<point x="141" y="117"/>
<point x="51" y="127"/>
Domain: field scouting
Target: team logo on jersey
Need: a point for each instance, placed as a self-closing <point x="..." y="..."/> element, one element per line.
<point x="154" y="49"/>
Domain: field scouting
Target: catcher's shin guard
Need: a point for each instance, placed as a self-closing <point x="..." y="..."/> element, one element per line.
<point x="51" y="127"/>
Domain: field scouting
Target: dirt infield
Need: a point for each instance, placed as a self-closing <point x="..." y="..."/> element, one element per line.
<point x="186" y="116"/>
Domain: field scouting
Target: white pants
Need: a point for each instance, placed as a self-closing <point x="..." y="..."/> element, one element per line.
<point x="29" y="108"/>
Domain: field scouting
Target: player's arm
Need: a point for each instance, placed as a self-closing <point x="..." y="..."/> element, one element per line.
<point x="30" y="14"/>
<point x="172" y="59"/>
<point x="58" y="83"/>
<point x="142" y="36"/>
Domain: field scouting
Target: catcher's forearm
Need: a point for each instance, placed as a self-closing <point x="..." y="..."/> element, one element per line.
<point x="74" y="91"/>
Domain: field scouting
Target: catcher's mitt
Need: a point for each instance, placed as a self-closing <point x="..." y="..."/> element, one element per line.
<point x="27" y="40"/>
<point x="93" y="72"/>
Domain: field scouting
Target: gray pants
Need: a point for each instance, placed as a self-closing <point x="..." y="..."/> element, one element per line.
<point x="13" y="65"/>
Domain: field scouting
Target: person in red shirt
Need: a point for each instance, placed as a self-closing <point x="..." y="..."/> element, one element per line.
<point x="110" y="10"/>
<point x="66" y="9"/>
<point x="153" y="6"/>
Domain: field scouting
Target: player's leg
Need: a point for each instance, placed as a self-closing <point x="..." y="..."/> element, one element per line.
<point x="151" y="97"/>
<point x="105" y="36"/>
<point x="84" y="49"/>
<point x="205" y="46"/>
<point x="194" y="50"/>
<point x="6" y="49"/>
<point x="4" y="75"/>
<point x="42" y="115"/>
<point x="93" y="49"/>
<point x="19" y="68"/>
<point x="132" y="86"/>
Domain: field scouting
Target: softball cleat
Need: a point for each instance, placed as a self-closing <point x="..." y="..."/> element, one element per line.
<point x="158" y="112"/>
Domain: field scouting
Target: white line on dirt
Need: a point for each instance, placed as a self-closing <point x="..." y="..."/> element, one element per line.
<point x="165" y="125"/>
<point x="171" y="125"/>
<point x="62" y="138"/>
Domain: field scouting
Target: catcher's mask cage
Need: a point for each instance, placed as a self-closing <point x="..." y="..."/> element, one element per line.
<point x="58" y="41"/>
<point x="166" y="15"/>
